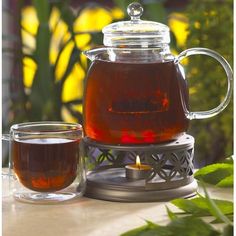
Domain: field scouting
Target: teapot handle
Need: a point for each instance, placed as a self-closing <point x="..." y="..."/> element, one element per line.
<point x="228" y="71"/>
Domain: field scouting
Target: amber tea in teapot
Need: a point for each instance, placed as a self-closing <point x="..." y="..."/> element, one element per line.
<point x="135" y="102"/>
<point x="135" y="91"/>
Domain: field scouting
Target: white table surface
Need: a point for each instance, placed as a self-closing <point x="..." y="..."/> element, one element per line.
<point x="86" y="217"/>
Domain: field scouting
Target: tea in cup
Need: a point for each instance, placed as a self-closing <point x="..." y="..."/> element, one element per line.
<point x="47" y="161"/>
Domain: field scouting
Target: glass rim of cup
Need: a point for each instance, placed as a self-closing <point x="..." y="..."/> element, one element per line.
<point x="24" y="128"/>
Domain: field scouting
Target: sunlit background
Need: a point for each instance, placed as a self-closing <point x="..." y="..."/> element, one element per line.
<point x="43" y="42"/>
<point x="90" y="19"/>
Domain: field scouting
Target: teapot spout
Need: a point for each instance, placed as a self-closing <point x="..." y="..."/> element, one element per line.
<point x="94" y="53"/>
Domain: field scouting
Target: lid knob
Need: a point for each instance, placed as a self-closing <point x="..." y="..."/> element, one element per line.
<point x="135" y="10"/>
<point x="136" y="32"/>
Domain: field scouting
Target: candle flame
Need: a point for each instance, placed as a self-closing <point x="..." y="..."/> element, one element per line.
<point x="138" y="162"/>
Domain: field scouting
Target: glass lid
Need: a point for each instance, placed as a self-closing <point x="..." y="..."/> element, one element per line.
<point x="136" y="32"/>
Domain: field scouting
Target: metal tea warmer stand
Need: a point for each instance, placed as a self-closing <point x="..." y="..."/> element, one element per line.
<point x="171" y="174"/>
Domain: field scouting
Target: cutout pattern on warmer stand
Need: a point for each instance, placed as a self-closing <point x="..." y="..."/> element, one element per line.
<point x="171" y="175"/>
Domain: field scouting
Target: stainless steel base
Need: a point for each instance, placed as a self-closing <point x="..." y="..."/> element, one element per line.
<point x="112" y="185"/>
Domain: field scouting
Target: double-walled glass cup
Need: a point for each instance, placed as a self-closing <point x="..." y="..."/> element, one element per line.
<point x="47" y="161"/>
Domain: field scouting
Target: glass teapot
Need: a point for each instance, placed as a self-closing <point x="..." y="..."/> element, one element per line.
<point x="135" y="91"/>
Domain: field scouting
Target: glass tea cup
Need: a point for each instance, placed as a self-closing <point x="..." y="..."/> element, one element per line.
<point x="46" y="159"/>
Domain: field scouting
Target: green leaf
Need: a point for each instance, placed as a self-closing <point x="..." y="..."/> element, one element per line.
<point x="226" y="182"/>
<point x="190" y="207"/>
<point x="146" y="231"/>
<point x="150" y="229"/>
<point x="190" y="226"/>
<point x="217" y="221"/>
<point x="151" y="224"/>
<point x="200" y="207"/>
<point x="43" y="98"/>
<point x="43" y="10"/>
<point x="215" y="209"/>
<point x="186" y="226"/>
<point x="171" y="214"/>
<point x="214" y="173"/>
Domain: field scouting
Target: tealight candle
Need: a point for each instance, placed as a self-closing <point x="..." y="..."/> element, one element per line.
<point x="137" y="171"/>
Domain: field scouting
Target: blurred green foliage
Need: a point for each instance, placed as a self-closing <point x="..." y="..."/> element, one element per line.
<point x="44" y="102"/>
<point x="210" y="26"/>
